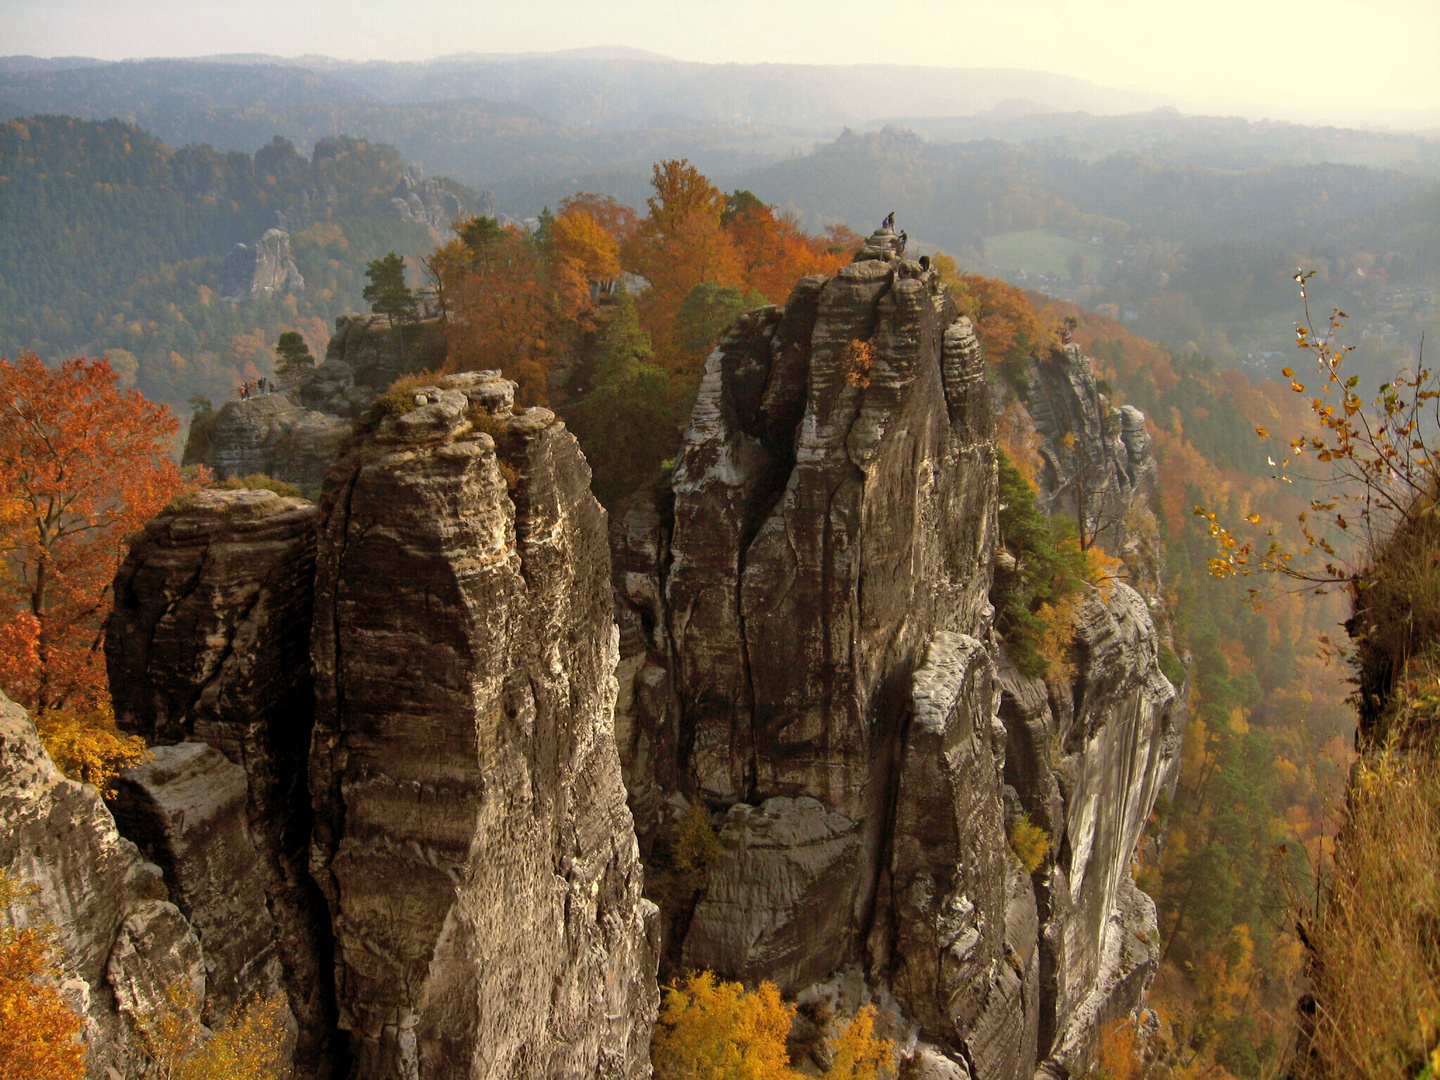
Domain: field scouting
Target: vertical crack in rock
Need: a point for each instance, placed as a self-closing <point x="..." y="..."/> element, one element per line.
<point x="207" y="646"/>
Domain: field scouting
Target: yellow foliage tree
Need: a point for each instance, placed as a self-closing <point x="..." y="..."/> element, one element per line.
<point x="1116" y="1059"/>
<point x="714" y="1030"/>
<point x="39" y="1034"/>
<point x="858" y="1054"/>
<point x="711" y="1030"/>
<point x="583" y="254"/>
<point x="250" y="1046"/>
<point x="1029" y="842"/>
<point x="89" y="747"/>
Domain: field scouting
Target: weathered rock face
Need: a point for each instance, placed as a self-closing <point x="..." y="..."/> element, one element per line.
<point x="472" y="837"/>
<point x="833" y="523"/>
<point x="1096" y="477"/>
<point x="186" y="809"/>
<point x="208" y="646"/>
<point x="1088" y="769"/>
<point x="820" y="669"/>
<point x="261" y="269"/>
<point x="1089" y="761"/>
<point x="121" y="943"/>
<point x="296" y="435"/>
<point x="271" y="434"/>
<point x="427" y="202"/>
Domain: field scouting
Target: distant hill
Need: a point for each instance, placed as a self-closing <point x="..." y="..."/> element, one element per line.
<point x="1185" y="253"/>
<point x="115" y="242"/>
<point x="582" y="88"/>
<point x="1189" y="227"/>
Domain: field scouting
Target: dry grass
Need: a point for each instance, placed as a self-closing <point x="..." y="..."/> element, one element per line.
<point x="1376" y="940"/>
<point x="259" y="482"/>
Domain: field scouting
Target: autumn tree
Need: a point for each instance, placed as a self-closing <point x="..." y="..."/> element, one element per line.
<point x="250" y="1045"/>
<point x="680" y="243"/>
<point x="709" y="1029"/>
<point x="39" y="1034"/>
<point x="83" y="464"/>
<point x="585" y="261"/>
<point x="617" y="219"/>
<point x="1005" y="321"/>
<point x="504" y="311"/>
<point x="774" y="252"/>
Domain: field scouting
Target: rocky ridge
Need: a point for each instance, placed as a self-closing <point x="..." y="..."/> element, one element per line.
<point x="295" y="434"/>
<point x="820" y="671"/>
<point x="429" y="203"/>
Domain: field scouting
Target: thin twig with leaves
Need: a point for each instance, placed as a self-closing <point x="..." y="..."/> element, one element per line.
<point x="1379" y="469"/>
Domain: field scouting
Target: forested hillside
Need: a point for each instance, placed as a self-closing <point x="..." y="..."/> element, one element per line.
<point x="1185" y="228"/>
<point x="114" y="243"/>
<point x="1267" y="749"/>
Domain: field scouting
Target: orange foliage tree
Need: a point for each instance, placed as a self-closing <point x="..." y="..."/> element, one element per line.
<point x="1005" y="321"/>
<point x="83" y="464"/>
<point x="682" y="243"/>
<point x="585" y="255"/>
<point x="503" y="310"/>
<point x="39" y="1034"/>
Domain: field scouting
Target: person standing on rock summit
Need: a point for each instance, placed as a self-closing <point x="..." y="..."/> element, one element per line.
<point x="889" y="222"/>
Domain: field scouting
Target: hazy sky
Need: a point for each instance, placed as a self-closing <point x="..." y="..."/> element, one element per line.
<point x="1323" y="57"/>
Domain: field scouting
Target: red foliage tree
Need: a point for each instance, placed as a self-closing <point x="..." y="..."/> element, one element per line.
<point x="83" y="464"/>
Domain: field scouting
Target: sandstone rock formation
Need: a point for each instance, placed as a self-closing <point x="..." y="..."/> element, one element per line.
<point x="296" y="435"/>
<point x="374" y="356"/>
<point x="388" y="752"/>
<point x="121" y="943"/>
<point x="207" y="645"/>
<point x="1088" y="767"/>
<point x="427" y="202"/>
<point x="261" y="269"/>
<point x="1097" y="460"/>
<point x="273" y="435"/>
<point x="821" y="671"/>
<point x="464" y="650"/>
<point x="186" y="809"/>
